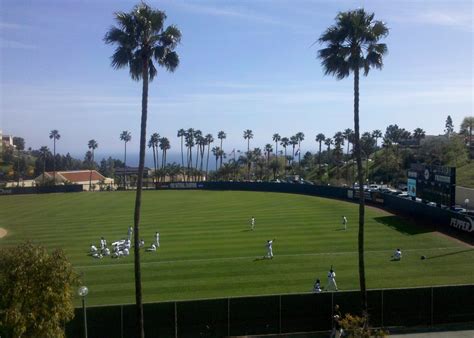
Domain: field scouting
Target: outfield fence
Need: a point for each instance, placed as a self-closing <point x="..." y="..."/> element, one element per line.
<point x="42" y="189"/>
<point x="276" y="314"/>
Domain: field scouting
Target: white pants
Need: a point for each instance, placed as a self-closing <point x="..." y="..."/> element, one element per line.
<point x="331" y="285"/>
<point x="270" y="252"/>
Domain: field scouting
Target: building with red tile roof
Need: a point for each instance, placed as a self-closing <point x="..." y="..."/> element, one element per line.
<point x="89" y="179"/>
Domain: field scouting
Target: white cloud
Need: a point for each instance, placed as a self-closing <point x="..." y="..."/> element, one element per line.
<point x="9" y="25"/>
<point x="453" y="18"/>
<point x="10" y="44"/>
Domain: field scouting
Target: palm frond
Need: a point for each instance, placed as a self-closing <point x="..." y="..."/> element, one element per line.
<point x="170" y="61"/>
<point x="115" y="35"/>
<point x="156" y="18"/>
<point x="151" y="70"/>
<point x="121" y="58"/>
<point x="159" y="53"/>
<point x="379" y="29"/>
<point x="126" y="22"/>
<point x="171" y="37"/>
<point x="136" y="67"/>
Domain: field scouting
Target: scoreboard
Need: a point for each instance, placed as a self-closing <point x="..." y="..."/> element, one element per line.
<point x="432" y="183"/>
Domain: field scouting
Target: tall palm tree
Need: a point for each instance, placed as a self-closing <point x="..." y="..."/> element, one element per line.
<point x="164" y="146"/>
<point x="92" y="145"/>
<point x="142" y="42"/>
<point x="44" y="153"/>
<point x="217" y="152"/>
<point x="338" y="152"/>
<point x="202" y="147"/>
<point x="126" y="137"/>
<point x="293" y="142"/>
<point x="153" y="143"/>
<point x="376" y="134"/>
<point x="352" y="44"/>
<point x="54" y="135"/>
<point x="198" y="137"/>
<point x="285" y="141"/>
<point x="320" y="139"/>
<point x="300" y="138"/>
<point x="221" y="136"/>
<point x="209" y="140"/>
<point x="276" y="138"/>
<point x="181" y="134"/>
<point x="248" y="134"/>
<point x="348" y="137"/>
<point x="189" y="138"/>
<point x="268" y="151"/>
<point x="328" y="143"/>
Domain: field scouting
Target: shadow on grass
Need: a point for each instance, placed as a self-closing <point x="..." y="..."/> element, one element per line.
<point x="401" y="225"/>
<point x="449" y="254"/>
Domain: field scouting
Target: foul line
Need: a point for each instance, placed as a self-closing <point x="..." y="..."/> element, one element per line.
<point x="217" y="259"/>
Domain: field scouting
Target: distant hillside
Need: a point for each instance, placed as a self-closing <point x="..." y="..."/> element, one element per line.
<point x="465" y="175"/>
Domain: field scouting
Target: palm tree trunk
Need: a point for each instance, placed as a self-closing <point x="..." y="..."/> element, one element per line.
<point x="220" y="164"/>
<point x="299" y="153"/>
<point x="125" y="167"/>
<point x="207" y="162"/>
<point x="197" y="156"/>
<point x="90" y="172"/>
<point x="190" y="157"/>
<point x="182" y="154"/>
<point x="138" y="202"/>
<point x="319" y="166"/>
<point x="54" y="161"/>
<point x="363" y="290"/>
<point x="44" y="168"/>
<point x="154" y="163"/>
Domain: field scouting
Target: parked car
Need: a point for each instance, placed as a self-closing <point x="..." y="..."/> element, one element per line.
<point x="458" y="209"/>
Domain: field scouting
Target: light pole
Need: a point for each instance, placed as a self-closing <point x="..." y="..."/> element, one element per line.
<point x="83" y="291"/>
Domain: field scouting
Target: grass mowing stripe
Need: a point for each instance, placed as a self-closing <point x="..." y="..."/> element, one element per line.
<point x="208" y="251"/>
<point x="259" y="257"/>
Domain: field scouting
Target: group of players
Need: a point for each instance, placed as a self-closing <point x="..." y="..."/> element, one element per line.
<point x="121" y="247"/>
<point x="331" y="284"/>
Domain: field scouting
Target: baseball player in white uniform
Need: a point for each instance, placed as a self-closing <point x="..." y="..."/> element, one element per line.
<point x="331" y="280"/>
<point x="270" y="248"/>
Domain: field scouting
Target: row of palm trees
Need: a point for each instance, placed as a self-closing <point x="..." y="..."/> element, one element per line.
<point x="195" y="170"/>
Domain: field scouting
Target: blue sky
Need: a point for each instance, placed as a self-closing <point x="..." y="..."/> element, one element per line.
<point x="244" y="65"/>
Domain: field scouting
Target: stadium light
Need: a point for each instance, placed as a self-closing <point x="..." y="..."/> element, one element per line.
<point x="83" y="291"/>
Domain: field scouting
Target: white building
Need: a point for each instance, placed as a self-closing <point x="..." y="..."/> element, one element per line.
<point x="82" y="177"/>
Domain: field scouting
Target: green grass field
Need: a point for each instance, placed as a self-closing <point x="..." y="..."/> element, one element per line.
<point x="208" y="251"/>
